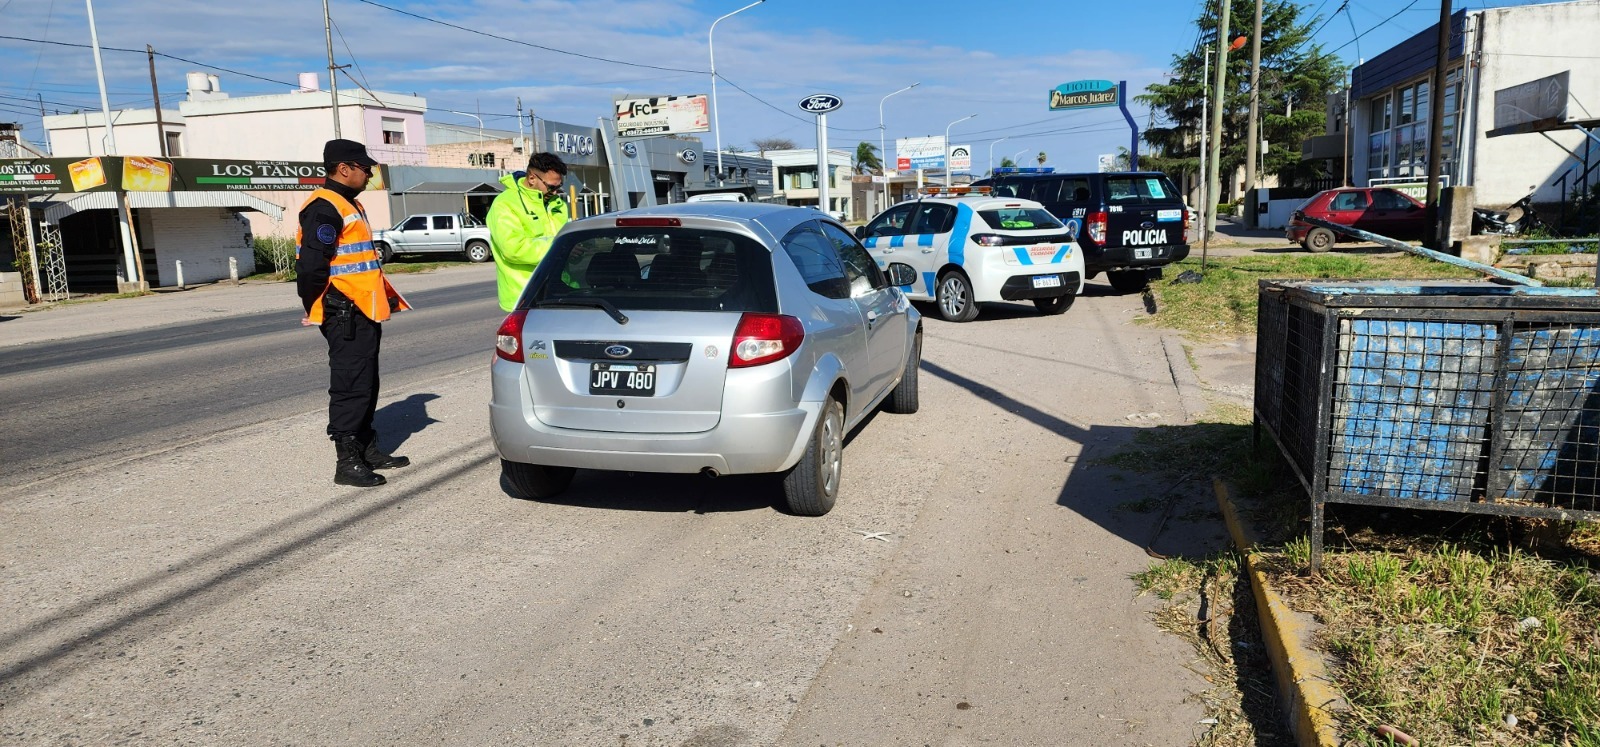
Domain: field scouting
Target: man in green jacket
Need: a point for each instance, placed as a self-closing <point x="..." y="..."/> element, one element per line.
<point x="522" y="222"/>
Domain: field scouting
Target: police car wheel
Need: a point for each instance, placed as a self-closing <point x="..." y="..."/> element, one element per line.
<point x="536" y="481"/>
<point x="954" y="298"/>
<point x="1054" y="306"/>
<point x="478" y="251"/>
<point x="1128" y="281"/>
<point x="811" y="487"/>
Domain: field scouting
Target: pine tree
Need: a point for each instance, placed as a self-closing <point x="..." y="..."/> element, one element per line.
<point x="1296" y="79"/>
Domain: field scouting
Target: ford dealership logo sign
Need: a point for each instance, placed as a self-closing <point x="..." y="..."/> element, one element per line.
<point x="688" y="156"/>
<point x="820" y="103"/>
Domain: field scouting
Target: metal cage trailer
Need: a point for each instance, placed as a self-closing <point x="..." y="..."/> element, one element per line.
<point x="1438" y="395"/>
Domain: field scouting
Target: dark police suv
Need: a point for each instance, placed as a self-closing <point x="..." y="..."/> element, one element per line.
<point x="1129" y="224"/>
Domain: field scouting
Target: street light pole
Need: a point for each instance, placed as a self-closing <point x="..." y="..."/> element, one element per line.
<point x="480" y="123"/>
<point x="130" y="252"/>
<point x="881" y="151"/>
<point x="716" y="124"/>
<point x="991" y="153"/>
<point x="1018" y="154"/>
<point x="333" y="70"/>
<point x="949" y="178"/>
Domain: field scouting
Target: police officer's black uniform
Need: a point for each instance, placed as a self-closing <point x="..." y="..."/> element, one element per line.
<point x="353" y="339"/>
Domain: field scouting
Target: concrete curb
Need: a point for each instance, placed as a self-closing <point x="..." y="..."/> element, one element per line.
<point x="1303" y="684"/>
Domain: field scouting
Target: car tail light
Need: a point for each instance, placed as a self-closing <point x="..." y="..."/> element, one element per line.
<point x="648" y="223"/>
<point x="508" y="341"/>
<point x="764" y="338"/>
<point x="1096" y="223"/>
<point x="988" y="239"/>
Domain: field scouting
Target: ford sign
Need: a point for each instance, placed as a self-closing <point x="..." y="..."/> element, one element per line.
<point x="820" y="103"/>
<point x="619" y="351"/>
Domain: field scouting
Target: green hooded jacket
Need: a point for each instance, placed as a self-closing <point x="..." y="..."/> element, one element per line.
<point x="521" y="226"/>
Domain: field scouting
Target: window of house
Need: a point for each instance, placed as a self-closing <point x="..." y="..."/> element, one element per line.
<point x="1379" y="120"/>
<point x="394" y="131"/>
<point x="174" y="144"/>
<point x="1449" y="145"/>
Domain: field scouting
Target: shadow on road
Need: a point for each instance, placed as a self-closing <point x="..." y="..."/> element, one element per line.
<point x="1100" y="492"/>
<point x="639" y="491"/>
<point x="398" y="421"/>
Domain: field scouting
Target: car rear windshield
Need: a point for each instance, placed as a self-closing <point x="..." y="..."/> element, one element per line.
<point x="664" y="269"/>
<point x="1019" y="218"/>
<point x="1140" y="189"/>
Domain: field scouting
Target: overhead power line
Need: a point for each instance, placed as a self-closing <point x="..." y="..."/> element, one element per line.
<point x="569" y="53"/>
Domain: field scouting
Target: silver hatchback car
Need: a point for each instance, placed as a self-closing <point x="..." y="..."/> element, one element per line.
<point x="712" y="337"/>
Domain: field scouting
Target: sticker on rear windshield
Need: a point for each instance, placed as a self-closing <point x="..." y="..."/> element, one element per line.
<point x="1169" y="215"/>
<point x="1154" y="185"/>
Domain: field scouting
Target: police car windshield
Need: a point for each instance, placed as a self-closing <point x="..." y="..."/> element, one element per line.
<point x="1019" y="218"/>
<point x="665" y="269"/>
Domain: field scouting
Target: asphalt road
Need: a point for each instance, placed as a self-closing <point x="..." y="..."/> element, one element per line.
<point x="970" y="588"/>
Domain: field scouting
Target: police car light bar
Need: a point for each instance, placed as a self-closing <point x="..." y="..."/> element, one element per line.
<point x="1025" y="170"/>
<point x="956" y="190"/>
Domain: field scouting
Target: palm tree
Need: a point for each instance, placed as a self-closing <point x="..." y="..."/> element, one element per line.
<point x="1006" y="163"/>
<point x="1041" y="158"/>
<point x="867" y="159"/>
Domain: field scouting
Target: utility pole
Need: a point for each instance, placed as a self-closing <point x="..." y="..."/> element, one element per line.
<point x="155" y="93"/>
<point x="1206" y="203"/>
<point x="1436" y="125"/>
<point x="1214" y="182"/>
<point x="130" y="252"/>
<point x="333" y="70"/>
<point x="1254" y="130"/>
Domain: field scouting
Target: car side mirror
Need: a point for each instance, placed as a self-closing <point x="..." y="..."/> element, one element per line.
<point x="861" y="232"/>
<point x="900" y="274"/>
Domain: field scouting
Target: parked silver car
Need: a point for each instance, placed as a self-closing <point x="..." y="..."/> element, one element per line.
<point x="712" y="337"/>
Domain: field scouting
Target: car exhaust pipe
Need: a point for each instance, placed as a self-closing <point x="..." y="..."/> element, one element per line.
<point x="710" y="472"/>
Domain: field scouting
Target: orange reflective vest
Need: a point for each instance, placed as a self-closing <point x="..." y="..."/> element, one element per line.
<point x="356" y="269"/>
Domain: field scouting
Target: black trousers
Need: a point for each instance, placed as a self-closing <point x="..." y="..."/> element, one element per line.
<point x="353" y="342"/>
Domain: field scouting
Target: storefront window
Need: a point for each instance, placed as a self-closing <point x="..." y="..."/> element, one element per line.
<point x="1378" y="137"/>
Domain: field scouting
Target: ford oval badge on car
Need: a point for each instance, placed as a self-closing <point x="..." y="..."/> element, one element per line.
<point x="820" y="103"/>
<point x="619" y="351"/>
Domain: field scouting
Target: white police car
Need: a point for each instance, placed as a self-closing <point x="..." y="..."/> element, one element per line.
<point x="968" y="248"/>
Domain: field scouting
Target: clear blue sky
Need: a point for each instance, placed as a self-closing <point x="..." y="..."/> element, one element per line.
<point x="996" y="59"/>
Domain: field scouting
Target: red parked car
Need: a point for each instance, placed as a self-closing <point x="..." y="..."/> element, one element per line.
<point x="1380" y="210"/>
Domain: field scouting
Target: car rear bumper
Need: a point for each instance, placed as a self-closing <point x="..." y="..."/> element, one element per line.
<point x="1020" y="287"/>
<point x="1296" y="232"/>
<point x="740" y="443"/>
<point x="1122" y="257"/>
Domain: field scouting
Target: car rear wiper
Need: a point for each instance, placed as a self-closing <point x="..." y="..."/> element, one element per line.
<point x="593" y="303"/>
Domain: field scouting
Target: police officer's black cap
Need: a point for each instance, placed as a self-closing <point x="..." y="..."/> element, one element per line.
<point x="346" y="151"/>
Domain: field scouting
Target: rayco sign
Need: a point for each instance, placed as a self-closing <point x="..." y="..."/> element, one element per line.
<point x="566" y="142"/>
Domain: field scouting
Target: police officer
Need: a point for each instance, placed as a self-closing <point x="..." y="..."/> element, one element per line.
<point x="345" y="293"/>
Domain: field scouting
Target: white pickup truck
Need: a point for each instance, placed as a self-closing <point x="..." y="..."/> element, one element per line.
<point x="446" y="233"/>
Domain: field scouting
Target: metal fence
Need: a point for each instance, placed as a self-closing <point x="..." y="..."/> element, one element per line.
<point x="1475" y="398"/>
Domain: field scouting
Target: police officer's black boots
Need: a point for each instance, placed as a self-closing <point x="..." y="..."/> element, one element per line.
<point x="352" y="469"/>
<point x="377" y="458"/>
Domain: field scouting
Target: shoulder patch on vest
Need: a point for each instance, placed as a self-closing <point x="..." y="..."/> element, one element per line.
<point x="327" y="234"/>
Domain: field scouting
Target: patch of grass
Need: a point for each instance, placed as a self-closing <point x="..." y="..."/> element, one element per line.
<point x="411" y="268"/>
<point x="1458" y="642"/>
<point x="1209" y="605"/>
<point x="1223" y="304"/>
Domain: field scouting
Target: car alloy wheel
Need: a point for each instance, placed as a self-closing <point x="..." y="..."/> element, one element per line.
<point x="955" y="298"/>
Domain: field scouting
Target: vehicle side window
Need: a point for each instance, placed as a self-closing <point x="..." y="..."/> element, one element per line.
<point x="933" y="217"/>
<point x="891" y="223"/>
<point x="1075" y="190"/>
<point x="817" y="260"/>
<point x="1349" y="201"/>
<point x="444" y="222"/>
<point x="418" y="223"/>
<point x="1009" y="189"/>
<point x="1388" y="199"/>
<point x="859" y="268"/>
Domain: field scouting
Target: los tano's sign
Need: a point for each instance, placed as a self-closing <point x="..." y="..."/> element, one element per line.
<point x="1084" y="94"/>
<point x="150" y="174"/>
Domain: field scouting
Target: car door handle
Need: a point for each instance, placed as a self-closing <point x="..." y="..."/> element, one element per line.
<point x="927" y="250"/>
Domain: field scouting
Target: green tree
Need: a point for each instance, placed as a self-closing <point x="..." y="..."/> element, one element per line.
<point x="1041" y="158"/>
<point x="1006" y="163"/>
<point x="1296" y="79"/>
<point x="867" y="159"/>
